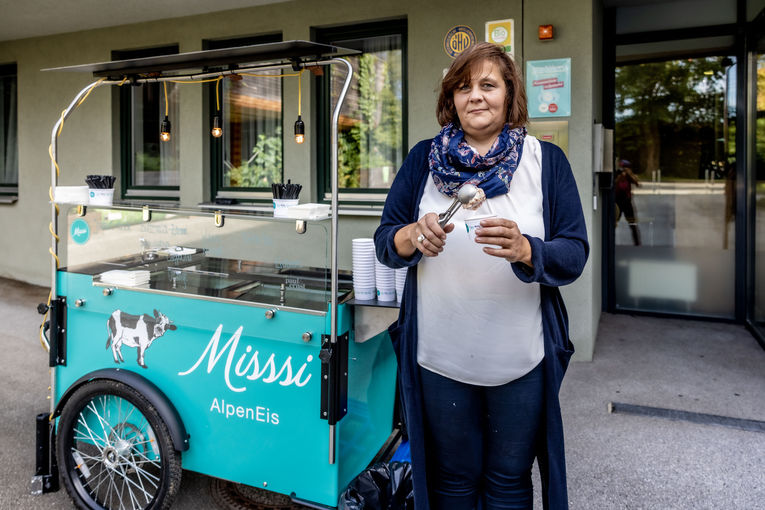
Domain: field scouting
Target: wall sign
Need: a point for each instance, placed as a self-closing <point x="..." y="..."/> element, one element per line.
<point x="553" y="131"/>
<point x="458" y="39"/>
<point x="501" y="32"/>
<point x="548" y="85"/>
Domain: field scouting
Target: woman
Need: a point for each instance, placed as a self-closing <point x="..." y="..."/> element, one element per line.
<point x="482" y="335"/>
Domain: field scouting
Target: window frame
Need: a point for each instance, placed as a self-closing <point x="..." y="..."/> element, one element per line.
<point x="128" y="189"/>
<point x="217" y="190"/>
<point x="9" y="191"/>
<point x="322" y="115"/>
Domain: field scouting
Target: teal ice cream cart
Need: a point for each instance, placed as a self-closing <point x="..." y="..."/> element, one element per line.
<point x="218" y="340"/>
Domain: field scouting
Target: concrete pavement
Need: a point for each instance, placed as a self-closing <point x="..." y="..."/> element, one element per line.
<point x="615" y="461"/>
<point x="636" y="462"/>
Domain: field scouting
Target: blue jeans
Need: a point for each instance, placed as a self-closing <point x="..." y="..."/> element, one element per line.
<point x="481" y="441"/>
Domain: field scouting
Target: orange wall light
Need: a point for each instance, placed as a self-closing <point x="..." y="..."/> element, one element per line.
<point x="545" y="32"/>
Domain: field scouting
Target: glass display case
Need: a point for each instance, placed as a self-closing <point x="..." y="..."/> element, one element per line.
<point x="243" y="257"/>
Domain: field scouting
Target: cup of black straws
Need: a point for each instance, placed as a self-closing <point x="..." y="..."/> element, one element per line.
<point x="100" y="189"/>
<point x="285" y="195"/>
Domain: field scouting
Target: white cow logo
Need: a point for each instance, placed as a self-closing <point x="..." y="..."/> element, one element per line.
<point x="137" y="331"/>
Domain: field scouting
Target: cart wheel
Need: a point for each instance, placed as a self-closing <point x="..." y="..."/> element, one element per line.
<point x="115" y="451"/>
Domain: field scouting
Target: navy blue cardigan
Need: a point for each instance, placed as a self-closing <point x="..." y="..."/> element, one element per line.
<point x="557" y="260"/>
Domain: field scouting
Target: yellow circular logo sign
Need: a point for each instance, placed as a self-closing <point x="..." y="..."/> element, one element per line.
<point x="458" y="39"/>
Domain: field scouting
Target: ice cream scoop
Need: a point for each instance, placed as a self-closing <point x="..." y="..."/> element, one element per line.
<point x="465" y="194"/>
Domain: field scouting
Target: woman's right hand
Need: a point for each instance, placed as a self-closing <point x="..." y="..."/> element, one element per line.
<point x="426" y="235"/>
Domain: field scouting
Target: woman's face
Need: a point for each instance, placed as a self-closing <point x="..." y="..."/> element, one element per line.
<point x="480" y="104"/>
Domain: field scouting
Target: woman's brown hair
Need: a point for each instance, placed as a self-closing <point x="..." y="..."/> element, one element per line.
<point x="461" y="73"/>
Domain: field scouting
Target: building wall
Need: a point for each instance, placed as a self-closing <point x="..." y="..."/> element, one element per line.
<point x="596" y="227"/>
<point x="574" y="26"/>
<point x="89" y="142"/>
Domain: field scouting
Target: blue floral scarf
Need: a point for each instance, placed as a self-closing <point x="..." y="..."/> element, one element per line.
<point x="453" y="162"/>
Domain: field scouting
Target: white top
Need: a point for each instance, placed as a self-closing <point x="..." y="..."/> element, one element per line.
<point x="477" y="323"/>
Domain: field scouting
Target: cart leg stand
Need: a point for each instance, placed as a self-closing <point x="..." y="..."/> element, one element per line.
<point x="45" y="479"/>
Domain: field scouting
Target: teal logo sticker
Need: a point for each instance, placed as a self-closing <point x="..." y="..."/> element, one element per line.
<point x="80" y="231"/>
<point x="458" y="39"/>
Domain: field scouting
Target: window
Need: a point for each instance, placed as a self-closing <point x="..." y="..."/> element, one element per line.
<point x="150" y="167"/>
<point x="9" y="152"/>
<point x="247" y="158"/>
<point x="372" y="124"/>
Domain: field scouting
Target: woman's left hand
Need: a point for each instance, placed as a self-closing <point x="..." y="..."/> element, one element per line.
<point x="505" y="239"/>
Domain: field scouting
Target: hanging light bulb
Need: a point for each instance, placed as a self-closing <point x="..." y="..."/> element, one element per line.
<point x="299" y="124"/>
<point x="299" y="130"/>
<point x="164" y="130"/>
<point x="217" y="131"/>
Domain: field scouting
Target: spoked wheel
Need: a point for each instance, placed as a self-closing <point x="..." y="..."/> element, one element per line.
<point x="115" y="451"/>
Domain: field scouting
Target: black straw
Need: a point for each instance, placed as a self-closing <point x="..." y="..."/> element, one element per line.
<point x="100" y="181"/>
<point x="286" y="191"/>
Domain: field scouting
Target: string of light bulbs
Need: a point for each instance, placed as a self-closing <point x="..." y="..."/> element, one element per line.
<point x="217" y="129"/>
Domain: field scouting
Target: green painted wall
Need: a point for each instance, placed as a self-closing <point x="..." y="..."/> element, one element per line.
<point x="90" y="143"/>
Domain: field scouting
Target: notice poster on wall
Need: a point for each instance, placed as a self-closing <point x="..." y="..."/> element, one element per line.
<point x="548" y="86"/>
<point x="553" y="131"/>
<point x="501" y="32"/>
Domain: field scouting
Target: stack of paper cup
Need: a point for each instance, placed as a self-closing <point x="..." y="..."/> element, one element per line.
<point x="386" y="282"/>
<point x="364" y="268"/>
<point x="400" y="281"/>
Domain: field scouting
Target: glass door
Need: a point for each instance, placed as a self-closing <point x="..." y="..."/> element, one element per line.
<point x="674" y="186"/>
<point x="757" y="167"/>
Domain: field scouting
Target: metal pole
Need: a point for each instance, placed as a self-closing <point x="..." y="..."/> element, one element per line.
<point x="333" y="168"/>
<point x="54" y="216"/>
<point x="54" y="229"/>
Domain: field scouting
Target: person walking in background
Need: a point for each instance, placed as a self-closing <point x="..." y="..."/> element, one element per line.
<point x="623" y="196"/>
<point x="482" y="335"/>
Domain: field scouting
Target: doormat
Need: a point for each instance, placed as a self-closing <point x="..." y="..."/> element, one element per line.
<point x="675" y="414"/>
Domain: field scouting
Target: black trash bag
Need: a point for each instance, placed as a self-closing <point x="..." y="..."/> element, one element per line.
<point x="380" y="487"/>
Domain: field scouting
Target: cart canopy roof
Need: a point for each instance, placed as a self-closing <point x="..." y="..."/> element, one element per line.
<point x="295" y="52"/>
